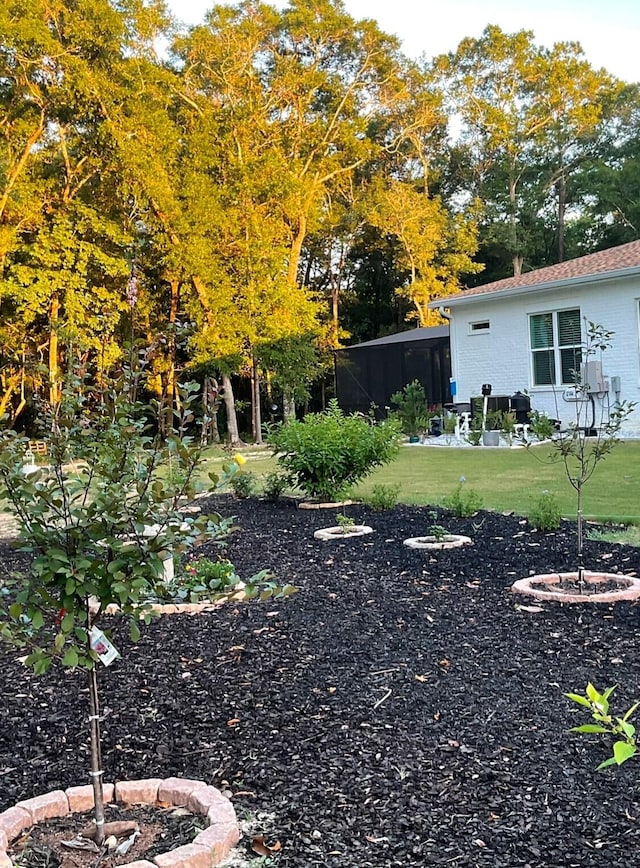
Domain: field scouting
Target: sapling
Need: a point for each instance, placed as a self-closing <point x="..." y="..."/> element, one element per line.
<point x="620" y="728"/>
<point x="99" y="522"/>
<point x="582" y="446"/>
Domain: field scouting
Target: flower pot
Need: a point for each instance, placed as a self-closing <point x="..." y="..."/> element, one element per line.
<point x="490" y="438"/>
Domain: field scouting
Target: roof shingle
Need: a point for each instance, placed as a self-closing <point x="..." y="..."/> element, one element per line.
<point x="602" y="262"/>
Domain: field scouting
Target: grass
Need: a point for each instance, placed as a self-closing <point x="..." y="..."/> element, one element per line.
<point x="508" y="480"/>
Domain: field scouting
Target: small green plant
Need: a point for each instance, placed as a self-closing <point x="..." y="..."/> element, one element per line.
<point x="493" y="420"/>
<point x="474" y="434"/>
<point x="275" y="484"/>
<point x="450" y="420"/>
<point x="345" y="522"/>
<point x="437" y="531"/>
<point x="619" y="728"/>
<point x="412" y="408"/>
<point x="326" y="453"/>
<point x="243" y="484"/>
<point x="199" y="579"/>
<point x="464" y="502"/>
<point x="541" y="425"/>
<point x="383" y="497"/>
<point x="545" y="513"/>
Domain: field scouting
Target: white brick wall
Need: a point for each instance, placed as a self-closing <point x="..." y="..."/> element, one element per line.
<point x="502" y="356"/>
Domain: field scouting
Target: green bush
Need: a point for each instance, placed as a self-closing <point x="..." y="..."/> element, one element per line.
<point x="383" y="497"/>
<point x="326" y="453"/>
<point x="545" y="514"/>
<point x="243" y="484"/>
<point x="464" y="502"/>
<point x="275" y="484"/>
<point x="412" y="411"/>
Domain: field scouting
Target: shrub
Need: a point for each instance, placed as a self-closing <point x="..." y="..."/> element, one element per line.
<point x="464" y="502"/>
<point x="243" y="484"/>
<point x="326" y="453"/>
<point x="383" y="497"/>
<point x="545" y="514"/>
<point x="275" y="484"/>
<point x="412" y="409"/>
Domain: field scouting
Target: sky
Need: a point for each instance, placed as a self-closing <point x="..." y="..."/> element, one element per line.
<point x="608" y="30"/>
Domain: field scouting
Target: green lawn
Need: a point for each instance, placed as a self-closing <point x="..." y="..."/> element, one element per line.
<point x="506" y="479"/>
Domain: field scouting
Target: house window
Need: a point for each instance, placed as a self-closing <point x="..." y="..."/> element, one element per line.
<point x="556" y="339"/>
<point x="476" y="328"/>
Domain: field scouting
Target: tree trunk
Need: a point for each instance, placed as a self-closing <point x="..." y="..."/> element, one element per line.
<point x="169" y="381"/>
<point x="580" y="539"/>
<point x="232" y="419"/>
<point x="561" y="187"/>
<point x="96" y="755"/>
<point x="54" y="370"/>
<point x="288" y="408"/>
<point x="210" y="404"/>
<point x="256" y="415"/>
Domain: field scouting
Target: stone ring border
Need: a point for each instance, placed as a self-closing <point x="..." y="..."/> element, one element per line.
<point x="629" y="587"/>
<point x="209" y="847"/>
<point x="450" y="541"/>
<point x="338" y="532"/>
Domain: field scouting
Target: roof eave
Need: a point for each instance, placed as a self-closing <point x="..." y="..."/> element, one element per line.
<point x="549" y="286"/>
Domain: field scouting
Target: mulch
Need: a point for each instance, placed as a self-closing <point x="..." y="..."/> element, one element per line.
<point x="399" y="710"/>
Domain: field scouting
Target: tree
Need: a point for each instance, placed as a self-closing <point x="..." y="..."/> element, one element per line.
<point x="530" y="117"/>
<point x="99" y="521"/>
<point x="436" y="247"/>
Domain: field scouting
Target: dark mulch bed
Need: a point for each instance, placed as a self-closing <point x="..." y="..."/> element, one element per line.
<point x="399" y="710"/>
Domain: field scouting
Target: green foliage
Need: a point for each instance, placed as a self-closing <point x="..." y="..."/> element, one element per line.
<point x="579" y="452"/>
<point x="199" y="579"/>
<point x="383" y="497"/>
<point x="619" y="728"/>
<point x="326" y="453"/>
<point x="437" y="531"/>
<point x="464" y="502"/>
<point x="243" y="483"/>
<point x="545" y="513"/>
<point x="205" y="580"/>
<point x="412" y="410"/>
<point x="474" y="434"/>
<point x="275" y="484"/>
<point x="345" y="522"/>
<point x="541" y="425"/>
<point x="98" y="519"/>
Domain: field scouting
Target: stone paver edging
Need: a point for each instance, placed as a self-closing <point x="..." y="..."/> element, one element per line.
<point x="629" y="587"/>
<point x="208" y="848"/>
<point x="449" y="541"/>
<point x="339" y="532"/>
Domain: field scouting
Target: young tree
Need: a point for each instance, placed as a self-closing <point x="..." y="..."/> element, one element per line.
<point x="99" y="521"/>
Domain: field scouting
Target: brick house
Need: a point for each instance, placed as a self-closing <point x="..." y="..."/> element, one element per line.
<point x="521" y="334"/>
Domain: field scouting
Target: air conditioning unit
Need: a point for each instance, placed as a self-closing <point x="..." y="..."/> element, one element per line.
<point x="592" y="378"/>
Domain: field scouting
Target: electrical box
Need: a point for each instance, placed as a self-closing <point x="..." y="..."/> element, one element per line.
<point x="592" y="378"/>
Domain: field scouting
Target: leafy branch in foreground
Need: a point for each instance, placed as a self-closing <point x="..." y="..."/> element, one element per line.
<point x="624" y="732"/>
<point x="100" y="522"/>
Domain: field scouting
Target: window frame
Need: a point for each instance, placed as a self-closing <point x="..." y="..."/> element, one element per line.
<point x="479" y="327"/>
<point x="555" y="348"/>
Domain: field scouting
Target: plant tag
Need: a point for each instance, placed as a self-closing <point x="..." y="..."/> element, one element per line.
<point x="106" y="650"/>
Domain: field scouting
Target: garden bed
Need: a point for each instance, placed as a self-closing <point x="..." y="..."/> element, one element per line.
<point x="402" y="709"/>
